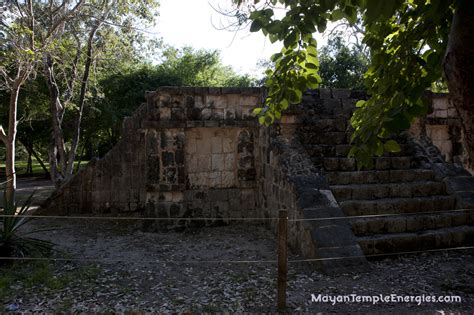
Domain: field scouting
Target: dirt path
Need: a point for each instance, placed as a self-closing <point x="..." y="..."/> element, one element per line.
<point x="43" y="187"/>
<point x="130" y="274"/>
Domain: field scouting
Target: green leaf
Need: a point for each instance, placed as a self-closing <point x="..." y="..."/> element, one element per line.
<point x="379" y="150"/>
<point x="399" y="122"/>
<point x="275" y="27"/>
<point x="336" y="15"/>
<point x="360" y="103"/>
<point x="256" y="26"/>
<point x="379" y="10"/>
<point x="392" y="146"/>
<point x="257" y="111"/>
<point x="284" y="103"/>
<point x="291" y="39"/>
<point x="268" y="13"/>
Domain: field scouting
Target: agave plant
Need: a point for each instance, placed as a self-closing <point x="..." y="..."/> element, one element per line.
<point x="12" y="218"/>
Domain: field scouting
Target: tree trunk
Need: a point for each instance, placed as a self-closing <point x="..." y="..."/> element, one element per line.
<point x="85" y="78"/>
<point x="459" y="71"/>
<point x="57" y="154"/>
<point x="29" y="164"/>
<point x="10" y="144"/>
<point x="31" y="152"/>
<point x="45" y="169"/>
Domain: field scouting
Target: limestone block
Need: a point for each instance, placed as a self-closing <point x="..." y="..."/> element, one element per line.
<point x="175" y="210"/>
<point x="325" y="93"/>
<point x="203" y="163"/>
<point x="199" y="101"/>
<point x="228" y="179"/>
<point x="214" y="179"/>
<point x="247" y="112"/>
<point x="452" y="113"/>
<point x="165" y="113"/>
<point x="206" y="113"/>
<point x="164" y="100"/>
<point x="217" y="162"/>
<point x="198" y="180"/>
<point x="217" y="114"/>
<point x="192" y="163"/>
<point x="218" y="195"/>
<point x="441" y="114"/>
<point x="190" y="146"/>
<point x="216" y="101"/>
<point x="233" y="101"/>
<point x="252" y="101"/>
<point x="229" y="161"/>
<point x="440" y="103"/>
<point x="227" y="145"/>
<point x="445" y="147"/>
<point x="341" y="93"/>
<point x="383" y="163"/>
<point x="216" y="145"/>
<point x="203" y="147"/>
<point x="220" y="209"/>
<point x="177" y="196"/>
<point x="288" y="119"/>
<point x="166" y="196"/>
<point x="238" y="112"/>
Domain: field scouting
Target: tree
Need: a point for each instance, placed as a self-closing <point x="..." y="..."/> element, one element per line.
<point x="120" y="93"/>
<point x="342" y="66"/>
<point x="19" y="56"/>
<point x="411" y="43"/>
<point x="68" y="63"/>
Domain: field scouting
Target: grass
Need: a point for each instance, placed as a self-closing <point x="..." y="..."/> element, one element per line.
<point x="20" y="167"/>
<point x="17" y="277"/>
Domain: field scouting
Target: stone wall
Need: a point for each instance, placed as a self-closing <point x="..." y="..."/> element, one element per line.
<point x="289" y="179"/>
<point x="199" y="152"/>
<point x="443" y="128"/>
<point x="187" y="152"/>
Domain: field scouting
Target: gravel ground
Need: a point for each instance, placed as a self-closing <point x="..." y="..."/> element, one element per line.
<point x="127" y="273"/>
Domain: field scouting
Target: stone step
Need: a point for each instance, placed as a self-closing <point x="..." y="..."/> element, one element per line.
<point x="380" y="163"/>
<point x="391" y="190"/>
<point x="411" y="222"/>
<point x="378" y="177"/>
<point x="328" y="108"/>
<point x="398" y="205"/>
<point x="315" y="124"/>
<point x="325" y="138"/>
<point x="417" y="241"/>
<point x="342" y="150"/>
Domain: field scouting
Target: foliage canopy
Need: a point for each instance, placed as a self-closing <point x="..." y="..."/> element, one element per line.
<point x="407" y="41"/>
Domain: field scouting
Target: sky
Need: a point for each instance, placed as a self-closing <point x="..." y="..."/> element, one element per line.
<point x="195" y="22"/>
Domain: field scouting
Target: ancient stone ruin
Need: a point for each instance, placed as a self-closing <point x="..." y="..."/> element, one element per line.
<point x="199" y="152"/>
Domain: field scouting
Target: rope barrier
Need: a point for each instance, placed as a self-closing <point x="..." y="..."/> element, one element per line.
<point x="382" y="255"/>
<point x="129" y="218"/>
<point x="228" y="219"/>
<point x="233" y="261"/>
<point x="380" y="215"/>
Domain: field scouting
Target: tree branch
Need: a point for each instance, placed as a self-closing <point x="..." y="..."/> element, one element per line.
<point x="64" y="18"/>
<point x="3" y="135"/>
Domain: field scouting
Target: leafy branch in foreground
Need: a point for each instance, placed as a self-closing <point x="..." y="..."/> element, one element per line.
<point x="408" y="42"/>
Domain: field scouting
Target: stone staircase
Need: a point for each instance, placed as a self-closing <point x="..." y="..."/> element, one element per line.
<point x="400" y="205"/>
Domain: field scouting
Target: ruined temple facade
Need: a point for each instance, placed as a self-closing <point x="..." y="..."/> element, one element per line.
<point x="199" y="152"/>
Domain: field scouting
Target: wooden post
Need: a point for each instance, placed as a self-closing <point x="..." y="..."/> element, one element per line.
<point x="282" y="259"/>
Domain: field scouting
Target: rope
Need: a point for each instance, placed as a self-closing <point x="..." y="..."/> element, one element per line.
<point x="234" y="261"/>
<point x="228" y="219"/>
